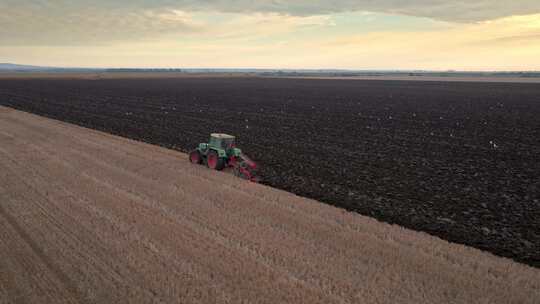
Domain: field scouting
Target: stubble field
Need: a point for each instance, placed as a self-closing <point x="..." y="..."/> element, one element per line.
<point x="457" y="160"/>
<point x="88" y="217"/>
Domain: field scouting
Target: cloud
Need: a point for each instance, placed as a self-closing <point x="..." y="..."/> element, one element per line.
<point x="524" y="38"/>
<point x="505" y="44"/>
<point x="64" y="22"/>
<point x="511" y="43"/>
<point x="455" y="11"/>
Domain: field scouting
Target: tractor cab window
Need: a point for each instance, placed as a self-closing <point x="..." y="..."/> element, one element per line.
<point x="227" y="143"/>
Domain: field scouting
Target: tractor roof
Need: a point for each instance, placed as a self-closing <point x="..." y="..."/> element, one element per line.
<point x="221" y="136"/>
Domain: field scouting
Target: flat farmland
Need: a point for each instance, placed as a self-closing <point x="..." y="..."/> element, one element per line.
<point x="458" y="160"/>
<point x="88" y="217"/>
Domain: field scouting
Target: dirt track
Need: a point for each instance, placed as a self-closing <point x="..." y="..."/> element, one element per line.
<point x="90" y="217"/>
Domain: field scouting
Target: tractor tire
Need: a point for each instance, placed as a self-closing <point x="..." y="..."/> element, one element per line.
<point x="195" y="157"/>
<point x="213" y="161"/>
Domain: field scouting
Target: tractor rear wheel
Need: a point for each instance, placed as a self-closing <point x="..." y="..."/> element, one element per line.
<point x="195" y="157"/>
<point x="213" y="161"/>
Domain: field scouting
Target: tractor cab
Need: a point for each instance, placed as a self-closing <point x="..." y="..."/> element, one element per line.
<point x="221" y="141"/>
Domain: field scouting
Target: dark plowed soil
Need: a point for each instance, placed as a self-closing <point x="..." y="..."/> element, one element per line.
<point x="456" y="160"/>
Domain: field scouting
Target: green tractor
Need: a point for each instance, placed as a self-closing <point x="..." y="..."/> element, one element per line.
<point x="220" y="153"/>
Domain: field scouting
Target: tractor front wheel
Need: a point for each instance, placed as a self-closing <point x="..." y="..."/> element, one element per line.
<point x="213" y="161"/>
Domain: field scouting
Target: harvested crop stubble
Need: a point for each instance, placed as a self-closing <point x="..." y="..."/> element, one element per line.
<point x="90" y="217"/>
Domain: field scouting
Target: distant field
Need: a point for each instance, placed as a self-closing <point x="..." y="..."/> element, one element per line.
<point x="455" y="159"/>
<point x="130" y="75"/>
<point x="87" y="217"/>
<point x="115" y="75"/>
<point x="435" y="78"/>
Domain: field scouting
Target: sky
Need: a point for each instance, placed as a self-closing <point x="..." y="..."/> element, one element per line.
<point x="481" y="35"/>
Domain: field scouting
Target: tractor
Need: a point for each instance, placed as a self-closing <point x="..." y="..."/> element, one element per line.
<point x="221" y="153"/>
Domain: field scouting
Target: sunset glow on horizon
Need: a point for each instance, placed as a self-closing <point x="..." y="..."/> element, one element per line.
<point x="428" y="35"/>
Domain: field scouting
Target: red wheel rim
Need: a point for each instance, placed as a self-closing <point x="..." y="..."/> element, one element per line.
<point x="194" y="157"/>
<point x="212" y="160"/>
